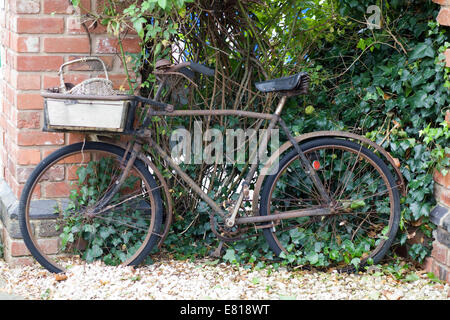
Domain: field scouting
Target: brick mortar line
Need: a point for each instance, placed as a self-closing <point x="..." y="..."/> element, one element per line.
<point x="440" y="264"/>
<point x="441" y="185"/>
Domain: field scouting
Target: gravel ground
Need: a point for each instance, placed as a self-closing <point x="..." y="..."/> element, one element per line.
<point x="204" y="279"/>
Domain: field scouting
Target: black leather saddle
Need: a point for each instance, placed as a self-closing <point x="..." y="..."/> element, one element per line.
<point x="292" y="85"/>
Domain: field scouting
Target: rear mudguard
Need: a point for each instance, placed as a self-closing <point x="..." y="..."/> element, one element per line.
<point x="318" y="135"/>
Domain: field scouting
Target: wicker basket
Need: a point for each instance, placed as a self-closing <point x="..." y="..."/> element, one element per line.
<point x="94" y="86"/>
<point x="91" y="105"/>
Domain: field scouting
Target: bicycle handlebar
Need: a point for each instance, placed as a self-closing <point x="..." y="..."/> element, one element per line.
<point x="161" y="105"/>
<point x="196" y="67"/>
<point x="201" y="69"/>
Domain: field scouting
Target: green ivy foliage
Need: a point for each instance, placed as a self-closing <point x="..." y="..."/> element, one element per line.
<point x="110" y="241"/>
<point x="395" y="95"/>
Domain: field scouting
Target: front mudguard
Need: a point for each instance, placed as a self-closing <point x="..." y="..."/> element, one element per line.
<point x="167" y="199"/>
<point x="324" y="134"/>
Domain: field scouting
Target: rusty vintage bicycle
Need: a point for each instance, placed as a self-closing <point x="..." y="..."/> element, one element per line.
<point x="336" y="191"/>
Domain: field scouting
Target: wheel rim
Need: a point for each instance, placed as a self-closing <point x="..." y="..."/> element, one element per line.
<point x="69" y="184"/>
<point x="373" y="227"/>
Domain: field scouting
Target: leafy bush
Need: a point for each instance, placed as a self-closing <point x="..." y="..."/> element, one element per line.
<point x="401" y="94"/>
<point x="438" y="138"/>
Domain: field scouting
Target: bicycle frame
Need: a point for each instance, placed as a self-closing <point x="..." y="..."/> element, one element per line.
<point x="166" y="110"/>
<point x="233" y="219"/>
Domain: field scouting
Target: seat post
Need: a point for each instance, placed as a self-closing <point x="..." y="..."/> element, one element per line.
<point x="280" y="105"/>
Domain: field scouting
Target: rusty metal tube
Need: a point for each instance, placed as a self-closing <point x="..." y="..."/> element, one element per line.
<point x="226" y="112"/>
<point x="187" y="179"/>
<point x="285" y="215"/>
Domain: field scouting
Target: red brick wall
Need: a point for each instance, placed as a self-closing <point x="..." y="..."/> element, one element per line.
<point x="439" y="261"/>
<point x="444" y="19"/>
<point x="444" y="15"/>
<point x="442" y="183"/>
<point x="37" y="36"/>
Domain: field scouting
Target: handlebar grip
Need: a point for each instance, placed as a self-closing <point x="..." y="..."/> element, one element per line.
<point x="201" y="69"/>
<point x="154" y="103"/>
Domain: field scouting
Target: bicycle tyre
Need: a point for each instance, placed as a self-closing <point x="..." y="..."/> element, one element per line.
<point x="145" y="208"/>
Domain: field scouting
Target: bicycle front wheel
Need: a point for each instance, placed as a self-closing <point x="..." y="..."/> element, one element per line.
<point x="365" y="206"/>
<point x="62" y="217"/>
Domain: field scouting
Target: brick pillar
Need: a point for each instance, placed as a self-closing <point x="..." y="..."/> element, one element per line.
<point x="444" y="20"/>
<point x="439" y="262"/>
<point x="37" y="36"/>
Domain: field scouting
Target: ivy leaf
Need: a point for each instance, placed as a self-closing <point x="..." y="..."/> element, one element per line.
<point x="318" y="246"/>
<point x="418" y="100"/>
<point x="403" y="238"/>
<point x="334" y="254"/>
<point x="82" y="173"/>
<point x="411" y="277"/>
<point x="93" y="253"/>
<point x="418" y="195"/>
<point x="139" y="26"/>
<point x="355" y="262"/>
<point x="202" y="207"/>
<point x="397" y="86"/>
<point x="106" y="232"/>
<point x="420" y="51"/>
<point x="162" y="3"/>
<point x="230" y="256"/>
<point x="296" y="235"/>
<point x="89" y="228"/>
<point x="312" y="257"/>
<point x="361" y="44"/>
<point x="419" y="209"/>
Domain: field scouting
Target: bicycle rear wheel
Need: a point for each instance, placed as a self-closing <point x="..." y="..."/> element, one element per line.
<point x="365" y="206"/>
<point x="62" y="222"/>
